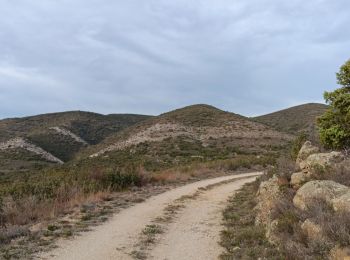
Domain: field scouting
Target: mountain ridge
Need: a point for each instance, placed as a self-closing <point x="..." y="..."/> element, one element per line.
<point x="295" y="120"/>
<point x="198" y="122"/>
<point x="191" y="130"/>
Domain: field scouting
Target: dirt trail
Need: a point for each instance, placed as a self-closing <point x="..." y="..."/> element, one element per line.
<point x="194" y="233"/>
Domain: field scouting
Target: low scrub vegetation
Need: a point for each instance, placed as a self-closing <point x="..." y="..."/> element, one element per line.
<point x="241" y="238"/>
<point x="334" y="124"/>
<point x="49" y="193"/>
<point x="312" y="233"/>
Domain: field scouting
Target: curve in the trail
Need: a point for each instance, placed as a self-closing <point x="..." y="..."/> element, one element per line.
<point x="115" y="238"/>
<point x="195" y="234"/>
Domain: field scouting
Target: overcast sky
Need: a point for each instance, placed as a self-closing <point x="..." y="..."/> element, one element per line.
<point x="150" y="56"/>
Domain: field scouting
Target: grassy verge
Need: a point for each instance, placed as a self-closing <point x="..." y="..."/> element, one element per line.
<point x="52" y="194"/>
<point x="241" y="238"/>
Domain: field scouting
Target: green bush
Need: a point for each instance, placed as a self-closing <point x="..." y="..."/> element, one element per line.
<point x="297" y="144"/>
<point x="334" y="124"/>
<point x="118" y="180"/>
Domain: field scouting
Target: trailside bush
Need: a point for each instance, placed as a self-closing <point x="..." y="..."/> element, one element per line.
<point x="118" y="180"/>
<point x="334" y="124"/>
<point x="297" y="144"/>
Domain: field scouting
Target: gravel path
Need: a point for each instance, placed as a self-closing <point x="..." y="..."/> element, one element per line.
<point x="196" y="232"/>
<point x="193" y="235"/>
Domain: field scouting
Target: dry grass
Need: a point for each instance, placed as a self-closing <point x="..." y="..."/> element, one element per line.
<point x="30" y="209"/>
<point x="201" y="170"/>
<point x="293" y="241"/>
<point x="241" y="238"/>
<point x="339" y="173"/>
<point x="17" y="215"/>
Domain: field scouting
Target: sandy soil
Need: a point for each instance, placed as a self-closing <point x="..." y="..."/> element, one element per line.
<point x="196" y="232"/>
<point x="193" y="234"/>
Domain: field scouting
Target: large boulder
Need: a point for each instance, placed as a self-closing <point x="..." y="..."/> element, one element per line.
<point x="299" y="178"/>
<point x="342" y="203"/>
<point x="306" y="150"/>
<point x="340" y="253"/>
<point x="268" y="195"/>
<point x="312" y="230"/>
<point x="318" y="190"/>
<point x="320" y="162"/>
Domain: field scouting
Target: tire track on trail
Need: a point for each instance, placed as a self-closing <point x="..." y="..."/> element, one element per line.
<point x="116" y="238"/>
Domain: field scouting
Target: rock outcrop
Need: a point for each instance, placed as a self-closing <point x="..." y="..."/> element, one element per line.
<point x="299" y="178"/>
<point x="328" y="191"/>
<point x="310" y="191"/>
<point x="311" y="162"/>
<point x="268" y="195"/>
<point x="312" y="230"/>
<point x="342" y="203"/>
<point x="306" y="150"/>
<point x="322" y="161"/>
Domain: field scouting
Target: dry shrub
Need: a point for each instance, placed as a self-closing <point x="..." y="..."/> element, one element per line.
<point x="185" y="173"/>
<point x="70" y="198"/>
<point x="339" y="173"/>
<point x="294" y="241"/>
<point x="96" y="174"/>
<point x="241" y="238"/>
<point x="24" y="211"/>
<point x="337" y="228"/>
<point x="286" y="166"/>
<point x="29" y="210"/>
<point x="169" y="176"/>
<point x="12" y="232"/>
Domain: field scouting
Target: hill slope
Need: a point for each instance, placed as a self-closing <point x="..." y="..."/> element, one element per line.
<point x="57" y="136"/>
<point x="294" y="120"/>
<point x="182" y="135"/>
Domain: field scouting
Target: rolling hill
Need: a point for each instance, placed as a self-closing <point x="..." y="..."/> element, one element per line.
<point x="33" y="150"/>
<point x="294" y="120"/>
<point x="55" y="138"/>
<point x="187" y="134"/>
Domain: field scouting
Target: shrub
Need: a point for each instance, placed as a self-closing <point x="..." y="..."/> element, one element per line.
<point x="297" y="144"/>
<point x="118" y="181"/>
<point x="334" y="124"/>
<point x="6" y="235"/>
<point x="241" y="238"/>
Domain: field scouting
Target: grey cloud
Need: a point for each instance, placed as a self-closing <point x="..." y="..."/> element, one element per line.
<point x="248" y="57"/>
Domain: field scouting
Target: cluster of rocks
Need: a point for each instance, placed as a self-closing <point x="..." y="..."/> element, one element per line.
<point x="308" y="189"/>
<point x="311" y="162"/>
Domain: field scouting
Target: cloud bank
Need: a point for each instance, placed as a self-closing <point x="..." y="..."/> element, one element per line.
<point x="245" y="56"/>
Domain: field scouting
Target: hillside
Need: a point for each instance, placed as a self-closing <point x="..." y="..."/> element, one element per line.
<point x="294" y="120"/>
<point x="52" y="138"/>
<point x="191" y="133"/>
<point x="180" y="146"/>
